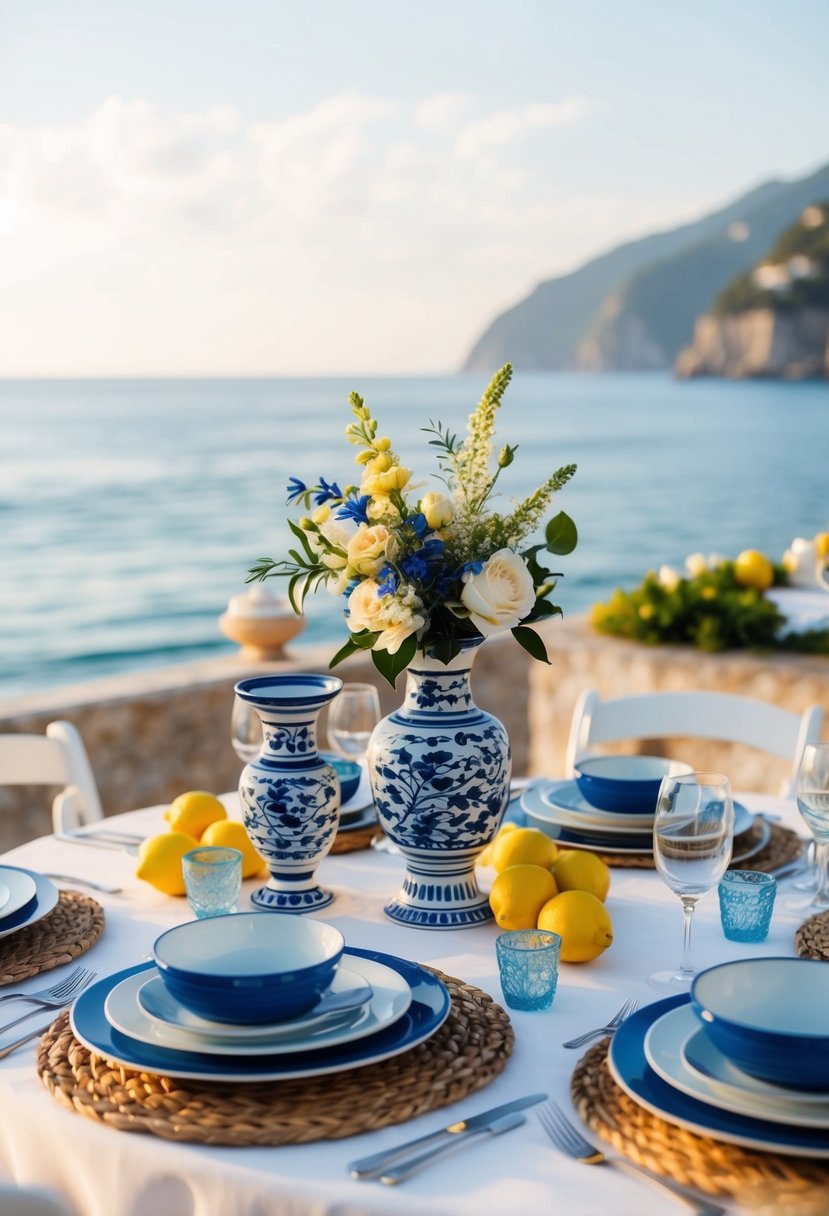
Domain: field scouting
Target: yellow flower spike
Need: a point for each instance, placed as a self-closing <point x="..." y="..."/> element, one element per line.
<point x="402" y="477"/>
<point x="381" y="463"/>
<point x="321" y="514"/>
<point x="382" y="444"/>
<point x="364" y="457"/>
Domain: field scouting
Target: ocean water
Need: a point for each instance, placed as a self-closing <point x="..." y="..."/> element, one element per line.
<point x="130" y="510"/>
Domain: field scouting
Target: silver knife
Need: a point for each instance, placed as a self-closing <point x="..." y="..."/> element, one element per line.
<point x="370" y="1167"/>
<point x="400" y="1172"/>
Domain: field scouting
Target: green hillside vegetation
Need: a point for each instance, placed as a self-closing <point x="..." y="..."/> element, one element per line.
<point x="803" y="239"/>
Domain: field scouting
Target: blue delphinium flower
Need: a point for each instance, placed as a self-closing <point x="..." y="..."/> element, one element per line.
<point x="296" y="489"/>
<point x="472" y="567"/>
<point x="419" y="525"/>
<point x="354" y="508"/>
<point x="425" y="563"/>
<point x="326" y="492"/>
<point x="389" y="580"/>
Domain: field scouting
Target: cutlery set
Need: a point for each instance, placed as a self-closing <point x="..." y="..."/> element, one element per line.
<point x="57" y="997"/>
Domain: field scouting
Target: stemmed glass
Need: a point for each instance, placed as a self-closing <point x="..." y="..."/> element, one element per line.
<point x="352" y="716"/>
<point x="245" y="730"/>
<point x="813" y="804"/>
<point x="693" y="831"/>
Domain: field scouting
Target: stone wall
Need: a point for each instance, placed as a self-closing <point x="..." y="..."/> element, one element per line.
<point x="151" y="735"/>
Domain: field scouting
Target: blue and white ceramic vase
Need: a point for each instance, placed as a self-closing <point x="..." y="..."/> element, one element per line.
<point x="440" y="772"/>
<point x="290" y="796"/>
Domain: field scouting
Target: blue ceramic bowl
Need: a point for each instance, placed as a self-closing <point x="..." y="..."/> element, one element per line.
<point x="628" y="785"/>
<point x="348" y="771"/>
<point x="249" y="967"/>
<point x="769" y="1017"/>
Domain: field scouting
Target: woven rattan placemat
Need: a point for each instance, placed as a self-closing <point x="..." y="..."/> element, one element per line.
<point x="465" y="1054"/>
<point x="357" y="838"/>
<point x="72" y="927"/>
<point x="795" y="1184"/>
<point x="812" y="938"/>
<point x="783" y="846"/>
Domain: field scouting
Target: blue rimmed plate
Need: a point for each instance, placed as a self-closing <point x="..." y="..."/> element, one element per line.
<point x="630" y="1068"/>
<point x="538" y="813"/>
<point x="427" y="1012"/>
<point x="44" y="896"/>
<point x="701" y="1057"/>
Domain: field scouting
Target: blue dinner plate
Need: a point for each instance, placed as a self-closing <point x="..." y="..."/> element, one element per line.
<point x="41" y="903"/>
<point x="428" y="1010"/>
<point x="632" y="1071"/>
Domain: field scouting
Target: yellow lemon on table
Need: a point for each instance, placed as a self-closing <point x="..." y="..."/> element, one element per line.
<point x="194" y="812"/>
<point x="524" y="846"/>
<point x="580" y="870"/>
<point x="231" y="834"/>
<point x="583" y="923"/>
<point x="518" y="895"/>
<point x="159" y="861"/>
<point x="485" y="858"/>
<point x="753" y="569"/>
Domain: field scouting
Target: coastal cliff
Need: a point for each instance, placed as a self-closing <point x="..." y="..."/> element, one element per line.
<point x="760" y="342"/>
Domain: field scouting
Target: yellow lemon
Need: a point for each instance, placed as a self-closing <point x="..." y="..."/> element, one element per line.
<point x="822" y="544"/>
<point x="518" y="895"/>
<point x="583" y="923"/>
<point x="485" y="858"/>
<point x="159" y="861"/>
<point x="194" y="812"/>
<point x="582" y="871"/>
<point x="524" y="846"/>
<point x="231" y="834"/>
<point x="753" y="569"/>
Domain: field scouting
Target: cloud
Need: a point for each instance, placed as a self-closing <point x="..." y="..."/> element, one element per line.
<point x="509" y="126"/>
<point x="441" y="111"/>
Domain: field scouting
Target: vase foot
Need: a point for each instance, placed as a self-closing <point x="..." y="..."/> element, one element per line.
<point x="307" y="900"/>
<point x="432" y="901"/>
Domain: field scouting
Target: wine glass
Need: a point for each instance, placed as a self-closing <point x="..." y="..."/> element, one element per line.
<point x="245" y="730"/>
<point x="693" y="831"/>
<point x="352" y="716"/>
<point x="813" y="804"/>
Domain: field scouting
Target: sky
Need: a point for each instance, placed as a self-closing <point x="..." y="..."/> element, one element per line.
<point x="267" y="187"/>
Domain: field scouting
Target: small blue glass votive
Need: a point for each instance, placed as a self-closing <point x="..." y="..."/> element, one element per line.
<point x="746" y="903"/>
<point x="528" y="964"/>
<point x="213" y="879"/>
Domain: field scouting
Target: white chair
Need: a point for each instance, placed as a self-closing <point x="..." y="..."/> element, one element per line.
<point x="56" y="758"/>
<point x="702" y="715"/>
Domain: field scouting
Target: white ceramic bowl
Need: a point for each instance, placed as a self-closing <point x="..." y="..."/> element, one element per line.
<point x="250" y="966"/>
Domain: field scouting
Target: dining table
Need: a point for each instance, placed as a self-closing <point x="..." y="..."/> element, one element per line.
<point x="100" y="1170"/>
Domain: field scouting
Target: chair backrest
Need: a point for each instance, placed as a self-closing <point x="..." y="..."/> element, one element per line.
<point x="702" y="715"/>
<point x="56" y="758"/>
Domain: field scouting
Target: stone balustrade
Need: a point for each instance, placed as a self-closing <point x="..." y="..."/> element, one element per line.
<point x="153" y="734"/>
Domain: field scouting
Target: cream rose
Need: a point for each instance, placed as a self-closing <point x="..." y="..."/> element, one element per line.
<point x="337" y="532"/>
<point x="365" y="608"/>
<point x="370" y="548"/>
<point x="501" y="595"/>
<point x="437" y="508"/>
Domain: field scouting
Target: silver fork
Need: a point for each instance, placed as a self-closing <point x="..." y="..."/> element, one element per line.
<point x="615" y="1022"/>
<point x="83" y="980"/>
<point x="565" y="1137"/>
<point x="58" y="994"/>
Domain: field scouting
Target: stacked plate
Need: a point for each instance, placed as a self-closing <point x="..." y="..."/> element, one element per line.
<point x="132" y="1019"/>
<point x="25" y="897"/>
<point x="358" y="812"/>
<point x="663" y="1059"/>
<point x="560" y="809"/>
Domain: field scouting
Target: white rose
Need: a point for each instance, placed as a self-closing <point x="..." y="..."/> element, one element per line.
<point x="437" y="508"/>
<point x="337" y="532"/>
<point x="668" y="578"/>
<point x="365" y="608"/>
<point x="369" y="549"/>
<point x="501" y="595"/>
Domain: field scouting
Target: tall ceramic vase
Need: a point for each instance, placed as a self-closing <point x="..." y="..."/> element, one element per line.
<point x="440" y="772"/>
<point x="290" y="796"/>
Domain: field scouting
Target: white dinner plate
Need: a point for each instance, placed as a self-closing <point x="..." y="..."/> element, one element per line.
<point x="565" y="798"/>
<point x="157" y="1003"/>
<point x="41" y="904"/>
<point x="428" y="1011"/>
<point x="21" y="888"/>
<point x="5" y="895"/>
<point x="703" y="1058"/>
<point x="664" y="1051"/>
<point x="629" y="1066"/>
<point x="538" y="815"/>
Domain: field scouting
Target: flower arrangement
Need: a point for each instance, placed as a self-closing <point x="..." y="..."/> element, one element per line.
<point x="426" y="571"/>
<point x="715" y="604"/>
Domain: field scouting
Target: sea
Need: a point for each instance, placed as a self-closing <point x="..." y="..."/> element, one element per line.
<point x="132" y="510"/>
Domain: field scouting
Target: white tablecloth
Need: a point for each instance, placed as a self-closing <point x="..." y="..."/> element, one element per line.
<point x="105" y="1172"/>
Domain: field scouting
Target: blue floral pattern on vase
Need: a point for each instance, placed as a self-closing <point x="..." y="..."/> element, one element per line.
<point x="290" y="797"/>
<point x="440" y="770"/>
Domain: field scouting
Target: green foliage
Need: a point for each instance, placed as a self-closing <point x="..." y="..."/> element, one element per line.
<point x="801" y="239"/>
<point x="711" y="612"/>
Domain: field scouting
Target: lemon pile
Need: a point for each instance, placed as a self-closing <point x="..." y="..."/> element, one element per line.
<point x="539" y="886"/>
<point x="194" y="818"/>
